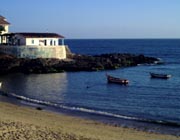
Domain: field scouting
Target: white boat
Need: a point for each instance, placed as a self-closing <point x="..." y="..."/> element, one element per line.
<point x="162" y="76"/>
<point x="0" y="84"/>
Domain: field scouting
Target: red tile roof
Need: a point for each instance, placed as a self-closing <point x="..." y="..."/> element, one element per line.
<point x="40" y="35"/>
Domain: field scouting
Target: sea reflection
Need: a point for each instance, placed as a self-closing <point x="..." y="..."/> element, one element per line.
<point x="49" y="87"/>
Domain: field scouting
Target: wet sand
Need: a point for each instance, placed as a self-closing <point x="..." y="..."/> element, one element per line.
<point x="27" y="123"/>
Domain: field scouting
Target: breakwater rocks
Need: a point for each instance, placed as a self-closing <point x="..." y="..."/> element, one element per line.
<point x="74" y="62"/>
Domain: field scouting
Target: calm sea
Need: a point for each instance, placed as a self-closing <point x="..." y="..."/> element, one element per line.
<point x="151" y="104"/>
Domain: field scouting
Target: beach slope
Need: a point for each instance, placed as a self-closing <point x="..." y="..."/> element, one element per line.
<point x="26" y="123"/>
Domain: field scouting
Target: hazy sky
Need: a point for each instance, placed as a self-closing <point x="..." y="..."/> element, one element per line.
<point x="95" y="18"/>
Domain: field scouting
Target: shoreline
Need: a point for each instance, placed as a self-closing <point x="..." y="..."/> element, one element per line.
<point x="139" y="124"/>
<point x="22" y="122"/>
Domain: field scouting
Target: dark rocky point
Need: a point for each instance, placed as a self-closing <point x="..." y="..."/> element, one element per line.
<point x="74" y="62"/>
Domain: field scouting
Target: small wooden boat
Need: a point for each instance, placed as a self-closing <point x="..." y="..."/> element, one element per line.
<point x="161" y="76"/>
<point x="116" y="80"/>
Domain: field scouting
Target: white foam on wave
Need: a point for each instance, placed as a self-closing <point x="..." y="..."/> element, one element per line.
<point x="72" y="108"/>
<point x="85" y="110"/>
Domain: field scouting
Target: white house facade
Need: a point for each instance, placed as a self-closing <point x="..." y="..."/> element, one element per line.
<point x="38" y="39"/>
<point x="32" y="45"/>
<point x="5" y="25"/>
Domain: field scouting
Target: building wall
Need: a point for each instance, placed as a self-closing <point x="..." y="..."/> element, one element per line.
<point x="35" y="51"/>
<point x="20" y="40"/>
<point x="42" y="41"/>
<point x="37" y="41"/>
<point x="6" y="27"/>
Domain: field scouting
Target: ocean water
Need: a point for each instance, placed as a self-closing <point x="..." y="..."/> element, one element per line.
<point x="146" y="103"/>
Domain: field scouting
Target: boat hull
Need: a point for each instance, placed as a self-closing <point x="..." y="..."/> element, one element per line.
<point x="115" y="80"/>
<point x="161" y="76"/>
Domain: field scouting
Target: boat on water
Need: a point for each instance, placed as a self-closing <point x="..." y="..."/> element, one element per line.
<point x="0" y="84"/>
<point x="161" y="76"/>
<point x="116" y="80"/>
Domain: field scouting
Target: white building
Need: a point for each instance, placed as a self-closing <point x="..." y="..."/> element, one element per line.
<point x="5" y="25"/>
<point x="34" y="45"/>
<point x="31" y="45"/>
<point x="38" y="39"/>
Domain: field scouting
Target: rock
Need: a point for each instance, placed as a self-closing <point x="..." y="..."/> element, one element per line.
<point x="74" y="62"/>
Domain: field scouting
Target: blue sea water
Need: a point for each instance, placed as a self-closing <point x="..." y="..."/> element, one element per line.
<point x="146" y="103"/>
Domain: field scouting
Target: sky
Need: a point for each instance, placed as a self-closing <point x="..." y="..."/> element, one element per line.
<point x="81" y="19"/>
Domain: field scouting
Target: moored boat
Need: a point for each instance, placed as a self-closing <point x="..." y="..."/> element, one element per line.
<point x="116" y="80"/>
<point x="161" y="76"/>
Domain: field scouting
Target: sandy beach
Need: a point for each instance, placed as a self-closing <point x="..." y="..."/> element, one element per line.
<point x="26" y="123"/>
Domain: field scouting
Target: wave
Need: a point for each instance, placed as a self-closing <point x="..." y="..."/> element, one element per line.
<point x="91" y="111"/>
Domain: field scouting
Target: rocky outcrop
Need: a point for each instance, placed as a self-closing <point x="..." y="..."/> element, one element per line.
<point x="8" y="63"/>
<point x="105" y="61"/>
<point x="74" y="62"/>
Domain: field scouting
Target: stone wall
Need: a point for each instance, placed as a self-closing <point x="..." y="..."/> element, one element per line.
<point x="35" y="51"/>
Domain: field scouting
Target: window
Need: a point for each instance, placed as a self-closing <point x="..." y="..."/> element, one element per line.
<point x="32" y="41"/>
<point x="51" y="43"/>
<point x="45" y="42"/>
<point x="54" y="43"/>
